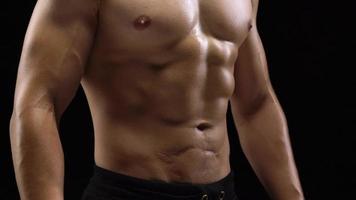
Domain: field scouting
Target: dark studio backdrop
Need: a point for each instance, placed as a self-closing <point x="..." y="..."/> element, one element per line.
<point x="310" y="47"/>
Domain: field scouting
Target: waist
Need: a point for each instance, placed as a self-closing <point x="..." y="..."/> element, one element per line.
<point x="178" y="154"/>
<point x="116" y="184"/>
<point x="193" y="165"/>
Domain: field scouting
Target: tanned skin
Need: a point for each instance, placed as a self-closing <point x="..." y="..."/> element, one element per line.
<point x="158" y="76"/>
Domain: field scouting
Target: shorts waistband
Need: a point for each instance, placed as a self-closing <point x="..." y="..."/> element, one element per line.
<point x="118" y="180"/>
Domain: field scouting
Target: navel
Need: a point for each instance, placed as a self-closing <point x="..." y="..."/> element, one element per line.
<point x="203" y="126"/>
<point x="250" y="26"/>
<point x="142" y="22"/>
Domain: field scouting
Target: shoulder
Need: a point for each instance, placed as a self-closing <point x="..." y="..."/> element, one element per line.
<point x="67" y="11"/>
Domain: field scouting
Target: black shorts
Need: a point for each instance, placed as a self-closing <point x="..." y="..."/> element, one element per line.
<point x="109" y="185"/>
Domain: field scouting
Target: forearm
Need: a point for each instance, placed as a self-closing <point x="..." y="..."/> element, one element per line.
<point x="265" y="142"/>
<point x="37" y="155"/>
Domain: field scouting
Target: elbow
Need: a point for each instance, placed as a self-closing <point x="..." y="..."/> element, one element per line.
<point x="12" y="124"/>
<point x="14" y="130"/>
<point x="255" y="105"/>
<point x="29" y="123"/>
<point x="15" y="121"/>
<point x="15" y="124"/>
<point x="27" y="114"/>
<point x="31" y="105"/>
<point x="248" y="107"/>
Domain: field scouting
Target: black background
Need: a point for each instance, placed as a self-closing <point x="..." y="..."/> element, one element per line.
<point x="310" y="47"/>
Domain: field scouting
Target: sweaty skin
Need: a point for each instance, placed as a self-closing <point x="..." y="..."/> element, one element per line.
<point x="158" y="83"/>
<point x="158" y="76"/>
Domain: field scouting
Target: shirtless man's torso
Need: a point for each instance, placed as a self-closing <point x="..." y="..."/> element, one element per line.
<point x="159" y="94"/>
<point x="158" y="76"/>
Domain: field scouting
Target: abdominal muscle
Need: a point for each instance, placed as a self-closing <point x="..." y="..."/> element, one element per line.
<point x="166" y="123"/>
<point x="156" y="151"/>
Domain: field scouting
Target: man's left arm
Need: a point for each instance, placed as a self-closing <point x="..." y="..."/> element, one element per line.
<point x="260" y="121"/>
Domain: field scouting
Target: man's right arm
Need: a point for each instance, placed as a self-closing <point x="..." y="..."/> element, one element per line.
<point x="57" y="43"/>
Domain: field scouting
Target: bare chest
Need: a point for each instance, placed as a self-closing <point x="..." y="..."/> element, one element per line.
<point x="152" y="25"/>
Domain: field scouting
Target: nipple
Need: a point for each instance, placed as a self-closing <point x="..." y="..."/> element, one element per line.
<point x="142" y="22"/>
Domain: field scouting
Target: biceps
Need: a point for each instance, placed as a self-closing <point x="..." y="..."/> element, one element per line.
<point x="252" y="84"/>
<point x="54" y="54"/>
